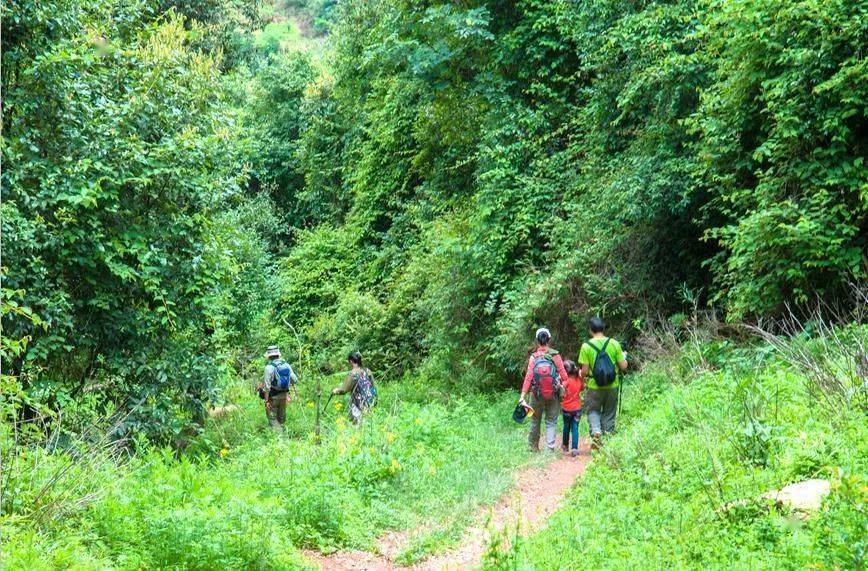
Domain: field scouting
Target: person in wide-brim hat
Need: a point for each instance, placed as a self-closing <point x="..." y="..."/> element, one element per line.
<point x="275" y="385"/>
<point x="272" y="352"/>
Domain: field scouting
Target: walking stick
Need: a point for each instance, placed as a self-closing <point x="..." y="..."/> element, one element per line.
<point x="318" y="396"/>
<point x="618" y="408"/>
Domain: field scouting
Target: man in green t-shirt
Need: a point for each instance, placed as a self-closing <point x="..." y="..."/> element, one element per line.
<point x="601" y="403"/>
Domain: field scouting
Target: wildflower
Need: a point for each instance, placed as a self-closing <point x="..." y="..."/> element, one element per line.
<point x="339" y="406"/>
<point x="418" y="420"/>
<point x="310" y="404"/>
<point x="390" y="437"/>
<point x="353" y="440"/>
<point x="224" y="452"/>
<point x="394" y="466"/>
<point x="432" y="470"/>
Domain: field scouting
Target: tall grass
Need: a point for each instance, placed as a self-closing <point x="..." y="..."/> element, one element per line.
<point x="243" y="497"/>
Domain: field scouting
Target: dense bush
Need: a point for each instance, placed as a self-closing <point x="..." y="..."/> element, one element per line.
<point x="123" y="216"/>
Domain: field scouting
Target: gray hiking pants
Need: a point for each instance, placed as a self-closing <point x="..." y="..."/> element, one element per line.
<point x="551" y="409"/>
<point x="601" y="406"/>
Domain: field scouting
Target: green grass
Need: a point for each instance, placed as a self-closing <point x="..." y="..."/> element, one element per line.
<point x="656" y="498"/>
<point x="694" y="440"/>
<point x="241" y="497"/>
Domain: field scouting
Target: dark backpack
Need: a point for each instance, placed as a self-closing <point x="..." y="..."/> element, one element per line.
<point x="546" y="381"/>
<point x="282" y="376"/>
<point x="604" y="368"/>
<point x="364" y="393"/>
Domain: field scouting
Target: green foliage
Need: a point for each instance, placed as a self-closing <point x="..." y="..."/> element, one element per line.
<point x="274" y="116"/>
<point x="114" y="213"/>
<point x="540" y="162"/>
<point x="243" y="498"/>
<point x="187" y="182"/>
<point x="782" y="148"/>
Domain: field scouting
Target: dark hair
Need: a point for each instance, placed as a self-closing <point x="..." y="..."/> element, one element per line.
<point x="355" y="357"/>
<point x="571" y="368"/>
<point x="543" y="337"/>
<point x="596" y="325"/>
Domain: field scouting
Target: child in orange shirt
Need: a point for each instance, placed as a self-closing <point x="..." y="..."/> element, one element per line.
<point x="571" y="407"/>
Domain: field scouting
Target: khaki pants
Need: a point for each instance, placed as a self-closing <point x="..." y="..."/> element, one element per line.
<point x="276" y="410"/>
<point x="551" y="409"/>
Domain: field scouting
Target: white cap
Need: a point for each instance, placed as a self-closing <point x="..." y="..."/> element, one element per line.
<point x="542" y="330"/>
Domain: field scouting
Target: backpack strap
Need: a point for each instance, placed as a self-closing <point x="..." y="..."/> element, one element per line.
<point x="601" y="348"/>
<point x="549" y="354"/>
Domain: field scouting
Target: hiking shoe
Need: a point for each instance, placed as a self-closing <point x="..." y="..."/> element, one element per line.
<point x="564" y="448"/>
<point x="574" y="452"/>
<point x="596" y="441"/>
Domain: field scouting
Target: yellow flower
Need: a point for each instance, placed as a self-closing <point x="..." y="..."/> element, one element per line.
<point x="390" y="437"/>
<point x="372" y="450"/>
<point x="418" y="420"/>
<point x="394" y="466"/>
<point x="353" y="440"/>
<point x="310" y="404"/>
<point x="432" y="470"/>
<point x="339" y="406"/>
<point x="223" y="452"/>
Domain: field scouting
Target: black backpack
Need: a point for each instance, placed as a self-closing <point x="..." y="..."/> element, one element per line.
<point x="604" y="368"/>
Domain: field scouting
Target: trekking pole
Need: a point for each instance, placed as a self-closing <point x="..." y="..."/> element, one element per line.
<point x="318" y="397"/>
<point x="326" y="407"/>
<point x="620" y="398"/>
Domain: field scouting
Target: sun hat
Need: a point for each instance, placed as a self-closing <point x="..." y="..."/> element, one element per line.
<point x="521" y="412"/>
<point x="272" y="351"/>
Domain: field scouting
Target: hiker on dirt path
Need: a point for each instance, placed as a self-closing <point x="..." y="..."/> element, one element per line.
<point x="274" y="389"/>
<point x="545" y="369"/>
<point x="571" y="408"/>
<point x="360" y="384"/>
<point x="601" y="358"/>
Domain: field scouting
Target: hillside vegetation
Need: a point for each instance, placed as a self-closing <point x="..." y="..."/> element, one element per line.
<point x="712" y="429"/>
<point x="186" y="183"/>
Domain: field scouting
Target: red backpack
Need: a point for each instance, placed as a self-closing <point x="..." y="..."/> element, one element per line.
<point x="546" y="382"/>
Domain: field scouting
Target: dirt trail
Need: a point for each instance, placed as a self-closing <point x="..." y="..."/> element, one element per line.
<point x="538" y="492"/>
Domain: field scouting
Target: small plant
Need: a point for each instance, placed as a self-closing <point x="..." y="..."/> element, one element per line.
<point x="834" y="360"/>
<point x="754" y="439"/>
